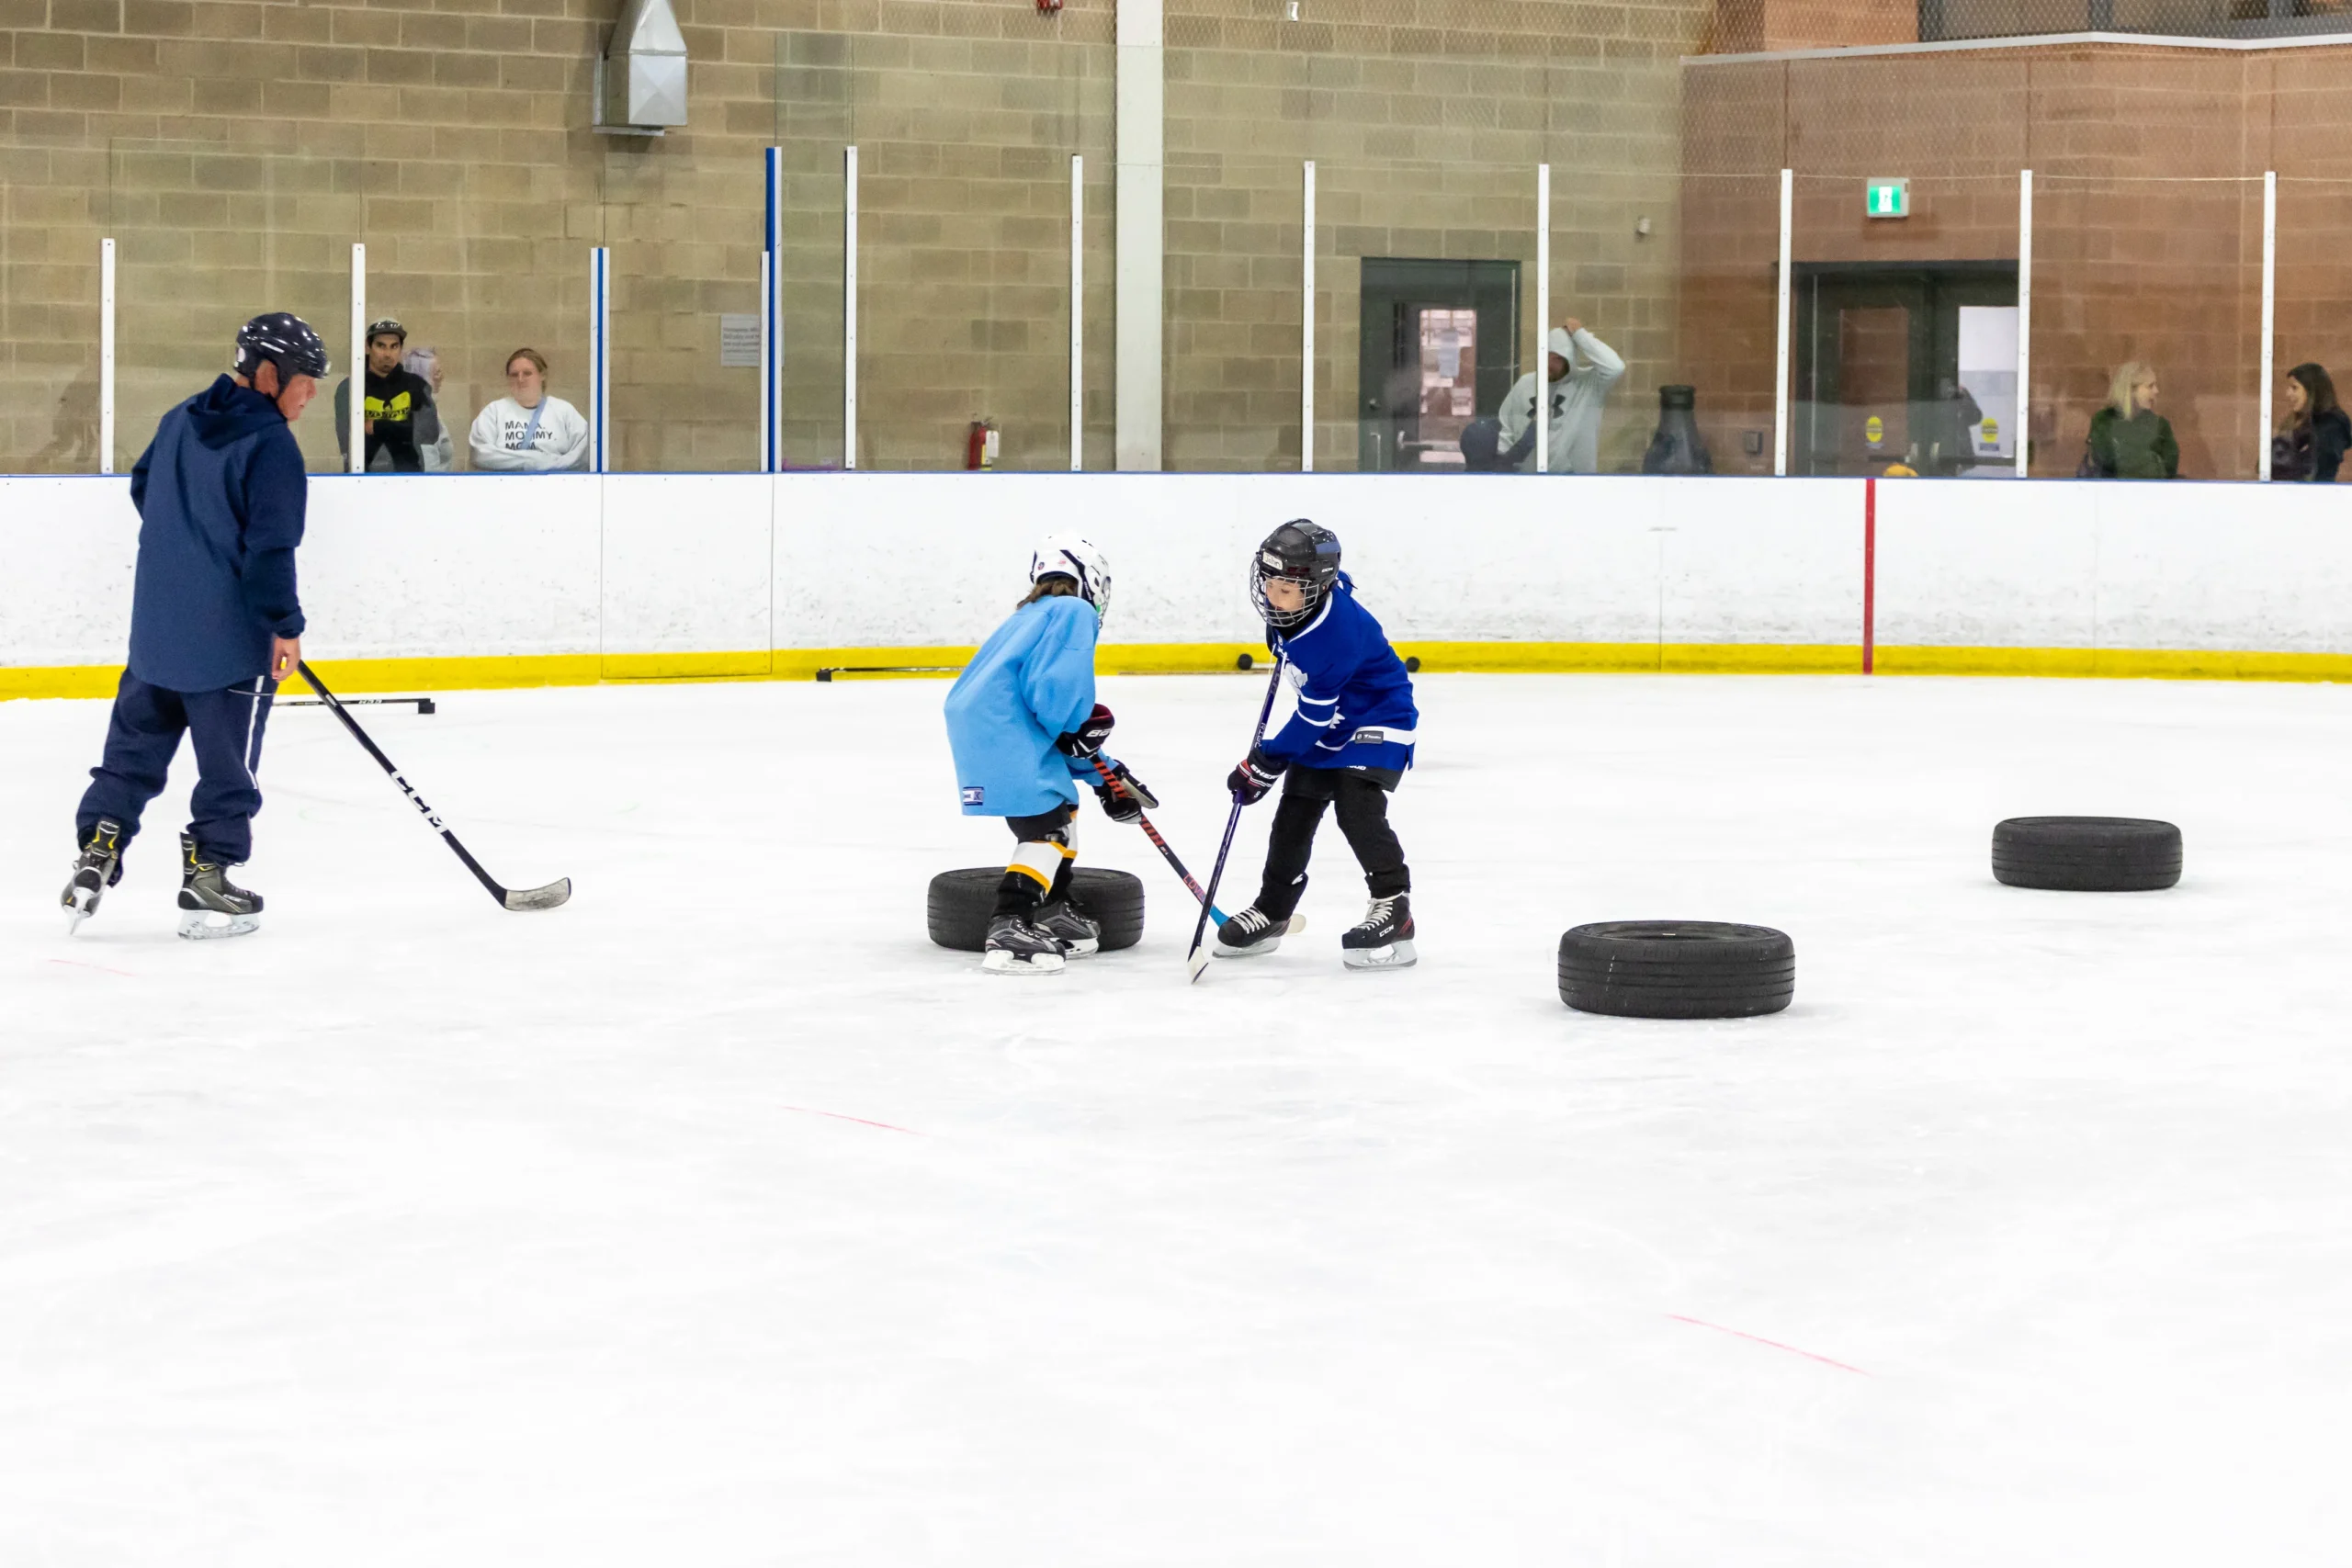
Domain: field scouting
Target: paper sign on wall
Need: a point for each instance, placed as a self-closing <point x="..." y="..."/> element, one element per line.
<point x="738" y="342"/>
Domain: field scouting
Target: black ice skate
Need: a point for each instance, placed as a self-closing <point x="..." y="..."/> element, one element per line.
<point x="212" y="905"/>
<point x="1385" y="939"/>
<point x="100" y="868"/>
<point x="1016" y="947"/>
<point x="1080" y="937"/>
<point x="1252" y="933"/>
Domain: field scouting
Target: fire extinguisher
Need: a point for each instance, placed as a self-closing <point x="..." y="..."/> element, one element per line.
<point x="981" y="445"/>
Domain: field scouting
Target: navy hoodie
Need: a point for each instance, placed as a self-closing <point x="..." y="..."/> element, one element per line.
<point x="220" y="495"/>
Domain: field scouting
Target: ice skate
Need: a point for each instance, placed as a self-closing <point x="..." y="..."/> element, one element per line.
<point x="1016" y="947"/>
<point x="1385" y="938"/>
<point x="211" y="905"/>
<point x="1252" y="933"/>
<point x="1080" y="937"/>
<point x="100" y="868"/>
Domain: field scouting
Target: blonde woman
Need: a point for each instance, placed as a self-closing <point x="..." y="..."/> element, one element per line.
<point x="2130" y="440"/>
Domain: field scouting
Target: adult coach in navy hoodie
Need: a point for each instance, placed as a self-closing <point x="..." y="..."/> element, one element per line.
<point x="215" y="622"/>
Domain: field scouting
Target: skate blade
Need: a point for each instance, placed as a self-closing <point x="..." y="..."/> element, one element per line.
<point x="1395" y="956"/>
<point x="196" y="925"/>
<point x="73" y="919"/>
<point x="1086" y="949"/>
<point x="1290" y="927"/>
<point x="1001" y="962"/>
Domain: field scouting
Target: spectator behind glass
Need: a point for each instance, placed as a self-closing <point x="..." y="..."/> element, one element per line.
<point x="433" y="448"/>
<point x="2313" y="434"/>
<point x="2130" y="440"/>
<point x="528" y="432"/>
<point x="394" y="397"/>
<point x="1580" y="369"/>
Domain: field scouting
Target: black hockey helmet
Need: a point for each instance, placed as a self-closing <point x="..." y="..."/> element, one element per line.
<point x="1301" y="552"/>
<point x="284" y="340"/>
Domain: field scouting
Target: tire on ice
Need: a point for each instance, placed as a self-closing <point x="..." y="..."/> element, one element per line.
<point x="1677" y="969"/>
<point x="2086" y="854"/>
<point x="962" y="901"/>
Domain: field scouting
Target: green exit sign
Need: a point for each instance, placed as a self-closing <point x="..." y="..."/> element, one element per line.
<point x="1887" y="198"/>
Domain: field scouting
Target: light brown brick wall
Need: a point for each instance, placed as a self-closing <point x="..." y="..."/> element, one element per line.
<point x="2147" y="231"/>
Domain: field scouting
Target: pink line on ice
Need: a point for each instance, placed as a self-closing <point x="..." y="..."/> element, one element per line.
<point x="1759" y="1339"/>
<point x="885" y="1126"/>
<point x="77" y="963"/>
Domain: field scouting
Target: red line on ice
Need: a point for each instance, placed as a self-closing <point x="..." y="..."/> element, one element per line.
<point x="77" y="963"/>
<point x="1759" y="1339"/>
<point x="885" y="1126"/>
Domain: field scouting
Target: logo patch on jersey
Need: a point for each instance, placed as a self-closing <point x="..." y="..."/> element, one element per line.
<point x="1371" y="737"/>
<point x="974" y="794"/>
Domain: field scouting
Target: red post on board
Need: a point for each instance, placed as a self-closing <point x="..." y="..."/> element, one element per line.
<point x="1869" y="574"/>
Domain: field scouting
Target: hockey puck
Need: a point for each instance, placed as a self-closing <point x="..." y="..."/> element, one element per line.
<point x="1413" y="664"/>
<point x="2086" y="854"/>
<point x="1244" y="662"/>
<point x="825" y="677"/>
<point x="1677" y="969"/>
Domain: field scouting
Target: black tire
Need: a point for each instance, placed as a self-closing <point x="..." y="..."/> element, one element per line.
<point x="1677" y="969"/>
<point x="2086" y="854"/>
<point x="962" y="901"/>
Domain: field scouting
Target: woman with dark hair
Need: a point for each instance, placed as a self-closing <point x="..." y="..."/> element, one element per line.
<point x="2312" y="435"/>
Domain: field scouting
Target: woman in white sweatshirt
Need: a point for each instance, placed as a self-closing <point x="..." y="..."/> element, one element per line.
<point x="527" y="431"/>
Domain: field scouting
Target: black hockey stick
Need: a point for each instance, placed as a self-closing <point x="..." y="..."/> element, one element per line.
<point x="1161" y="844"/>
<point x="548" y="897"/>
<point x="422" y="704"/>
<point x="1198" y="958"/>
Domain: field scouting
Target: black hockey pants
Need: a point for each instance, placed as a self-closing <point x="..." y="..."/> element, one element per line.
<point x="144" y="732"/>
<point x="1362" y="795"/>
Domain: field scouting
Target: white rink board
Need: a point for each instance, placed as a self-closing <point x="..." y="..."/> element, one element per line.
<point x="487" y="566"/>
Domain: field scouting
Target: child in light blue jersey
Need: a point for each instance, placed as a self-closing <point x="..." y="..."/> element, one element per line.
<point x="1025" y="726"/>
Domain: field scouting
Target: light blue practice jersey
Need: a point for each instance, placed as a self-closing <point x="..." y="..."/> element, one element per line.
<point x="1032" y="681"/>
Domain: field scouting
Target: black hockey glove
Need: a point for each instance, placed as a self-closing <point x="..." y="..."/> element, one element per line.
<point x="1254" y="777"/>
<point x="1125" y="796"/>
<point x="1087" y="737"/>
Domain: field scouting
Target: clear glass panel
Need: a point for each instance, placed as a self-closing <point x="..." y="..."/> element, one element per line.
<point x="684" y="233"/>
<point x="1904" y="323"/>
<point x="478" y="260"/>
<point x="2315" y="237"/>
<point x="2164" y="274"/>
<point x="208" y="237"/>
<point x="965" y="145"/>
<point x="49" y="309"/>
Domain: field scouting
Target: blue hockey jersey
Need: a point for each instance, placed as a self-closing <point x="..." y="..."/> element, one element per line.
<point x="1032" y="681"/>
<point x="1355" y="701"/>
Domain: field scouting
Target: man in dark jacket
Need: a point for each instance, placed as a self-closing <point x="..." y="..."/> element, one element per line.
<point x="398" y="400"/>
<point x="215" y="623"/>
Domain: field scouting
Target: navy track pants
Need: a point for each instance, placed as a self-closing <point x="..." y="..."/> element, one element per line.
<point x="144" y="734"/>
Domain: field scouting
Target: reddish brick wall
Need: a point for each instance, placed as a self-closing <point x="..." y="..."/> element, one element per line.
<point x="2147" y="229"/>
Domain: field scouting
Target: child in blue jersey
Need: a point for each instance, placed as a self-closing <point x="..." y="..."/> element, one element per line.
<point x="1025" y="726"/>
<point x="1348" y="745"/>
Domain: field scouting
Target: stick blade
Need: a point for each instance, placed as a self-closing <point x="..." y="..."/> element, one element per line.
<point x="1194" y="962"/>
<point x="554" y="894"/>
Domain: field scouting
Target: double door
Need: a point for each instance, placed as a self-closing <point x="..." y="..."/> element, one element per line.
<point x="1439" y="347"/>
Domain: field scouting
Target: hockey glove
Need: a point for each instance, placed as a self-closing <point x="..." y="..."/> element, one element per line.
<point x="1087" y="737"/>
<point x="1254" y="777"/>
<point x="1125" y="796"/>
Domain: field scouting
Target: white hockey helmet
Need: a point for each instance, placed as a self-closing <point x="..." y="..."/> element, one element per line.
<point x="1071" y="556"/>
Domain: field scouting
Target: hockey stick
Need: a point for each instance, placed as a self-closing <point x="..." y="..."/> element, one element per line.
<point x="1161" y="844"/>
<point x="548" y="897"/>
<point x="1198" y="958"/>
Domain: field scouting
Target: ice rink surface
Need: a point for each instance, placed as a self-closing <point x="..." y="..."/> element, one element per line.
<point x="718" y="1219"/>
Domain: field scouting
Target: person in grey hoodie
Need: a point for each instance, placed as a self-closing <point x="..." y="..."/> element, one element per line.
<point x="1580" y="369"/>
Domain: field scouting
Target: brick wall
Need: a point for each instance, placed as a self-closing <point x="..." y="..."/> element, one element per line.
<point x="2147" y="231"/>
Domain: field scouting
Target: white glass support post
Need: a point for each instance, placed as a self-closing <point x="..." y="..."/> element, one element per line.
<point x="2024" y="434"/>
<point x="105" y="356"/>
<point x="600" y="378"/>
<point x="1543" y="318"/>
<point x="772" y="320"/>
<point x="2269" y="319"/>
<point x="1780" y="325"/>
<point x="849" y="307"/>
<point x="356" y="422"/>
<point x="1077" y="312"/>
<point x="1306" y="321"/>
